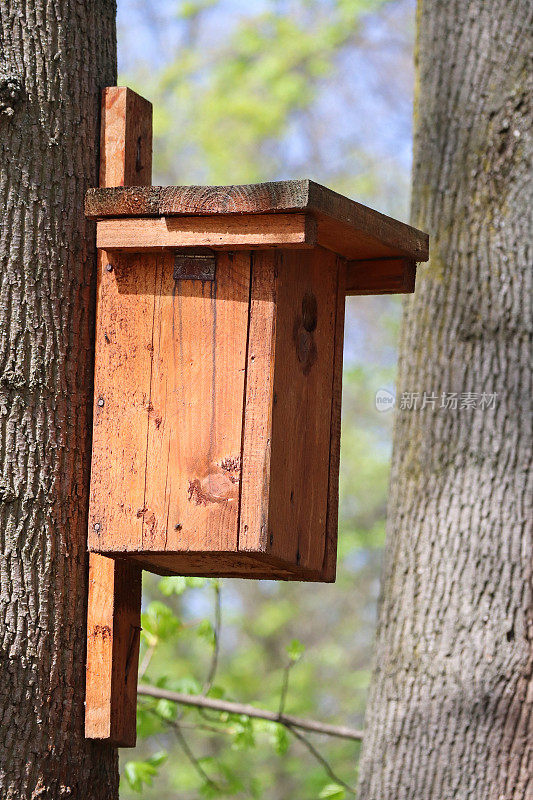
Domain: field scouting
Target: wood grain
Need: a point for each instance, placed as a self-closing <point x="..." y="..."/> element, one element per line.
<point x="124" y="345"/>
<point x="345" y="226"/>
<point x="125" y="139"/>
<point x="231" y="564"/>
<point x="193" y="463"/>
<point x="380" y="276"/>
<point x="217" y="405"/>
<point x="256" y="449"/>
<point x="235" y="368"/>
<point x="301" y="417"/>
<point x="113" y="633"/>
<point x="329" y="566"/>
<point x="261" y="231"/>
<point x="114" y="600"/>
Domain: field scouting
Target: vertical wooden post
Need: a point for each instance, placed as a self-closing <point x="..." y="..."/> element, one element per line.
<point x="114" y="603"/>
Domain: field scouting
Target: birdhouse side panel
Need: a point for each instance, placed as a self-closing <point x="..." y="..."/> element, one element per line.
<point x="329" y="566"/>
<point x="307" y="299"/>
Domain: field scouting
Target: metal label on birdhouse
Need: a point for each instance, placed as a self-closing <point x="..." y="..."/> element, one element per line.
<point x="194" y="266"/>
<point x="219" y="369"/>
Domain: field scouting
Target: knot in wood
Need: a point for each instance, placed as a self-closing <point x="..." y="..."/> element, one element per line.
<point x="303" y="330"/>
<point x="309" y="312"/>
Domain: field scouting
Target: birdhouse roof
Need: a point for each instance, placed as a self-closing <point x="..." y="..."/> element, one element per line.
<point x="348" y="228"/>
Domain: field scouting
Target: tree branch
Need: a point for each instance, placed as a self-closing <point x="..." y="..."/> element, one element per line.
<point x="225" y="706"/>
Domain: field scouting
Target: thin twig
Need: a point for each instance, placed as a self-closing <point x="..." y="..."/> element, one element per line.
<point x="320" y="758"/>
<point x="285" y="687"/>
<point x="198" y="701"/>
<point x="146" y="660"/>
<point x="192" y="726"/>
<point x="190" y="755"/>
<point x="216" y="640"/>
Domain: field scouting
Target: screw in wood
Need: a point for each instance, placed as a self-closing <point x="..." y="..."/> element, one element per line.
<point x="178" y="526"/>
<point x="100" y="402"/>
<point x="97" y="526"/>
<point x="109" y="267"/>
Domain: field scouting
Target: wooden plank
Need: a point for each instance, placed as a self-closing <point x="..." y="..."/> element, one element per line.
<point x="114" y="598"/>
<point x="345" y="226"/>
<point x="125" y="139"/>
<point x="329" y="567"/>
<point x="124" y="343"/>
<point x="262" y="231"/>
<point x="259" y="566"/>
<point x="194" y="440"/>
<point x="113" y="632"/>
<point x="253" y="525"/>
<point x="301" y="418"/>
<point x="381" y="276"/>
<point x="349" y="242"/>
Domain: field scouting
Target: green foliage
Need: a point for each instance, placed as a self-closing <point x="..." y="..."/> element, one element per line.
<point x="332" y="792"/>
<point x="281" y="740"/>
<point x="227" y="107"/>
<point x="295" y="650"/>
<point x="171" y="584"/>
<point x="141" y="773"/>
<point x="159" y="623"/>
<point x="243" y="737"/>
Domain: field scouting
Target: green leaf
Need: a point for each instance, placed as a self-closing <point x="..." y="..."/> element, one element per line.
<point x="186" y="685"/>
<point x="158" y="758"/>
<point x="166" y="709"/>
<point x="216" y="692"/>
<point x="148" y="724"/>
<point x="281" y="740"/>
<point x="131" y="771"/>
<point x="160" y="621"/>
<point x="243" y="734"/>
<point x="295" y="650"/>
<point x="195" y="583"/>
<point x="138" y="773"/>
<point x="333" y="791"/>
<point x="205" y="630"/>
<point x="172" y="584"/>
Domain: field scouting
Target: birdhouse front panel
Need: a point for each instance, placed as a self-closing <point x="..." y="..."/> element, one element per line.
<point x="218" y="372"/>
<point x="214" y="410"/>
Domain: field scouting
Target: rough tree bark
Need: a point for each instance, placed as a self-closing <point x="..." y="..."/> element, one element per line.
<point x="450" y="709"/>
<point x="55" y="57"/>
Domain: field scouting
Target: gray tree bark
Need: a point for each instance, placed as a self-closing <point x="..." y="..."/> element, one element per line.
<point x="450" y="708"/>
<point x="55" y="57"/>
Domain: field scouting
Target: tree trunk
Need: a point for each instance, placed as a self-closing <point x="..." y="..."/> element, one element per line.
<point x="450" y="708"/>
<point x="55" y="57"/>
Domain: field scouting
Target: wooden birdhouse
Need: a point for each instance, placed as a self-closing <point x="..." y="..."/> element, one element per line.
<point x="219" y="369"/>
<point x="218" y="373"/>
